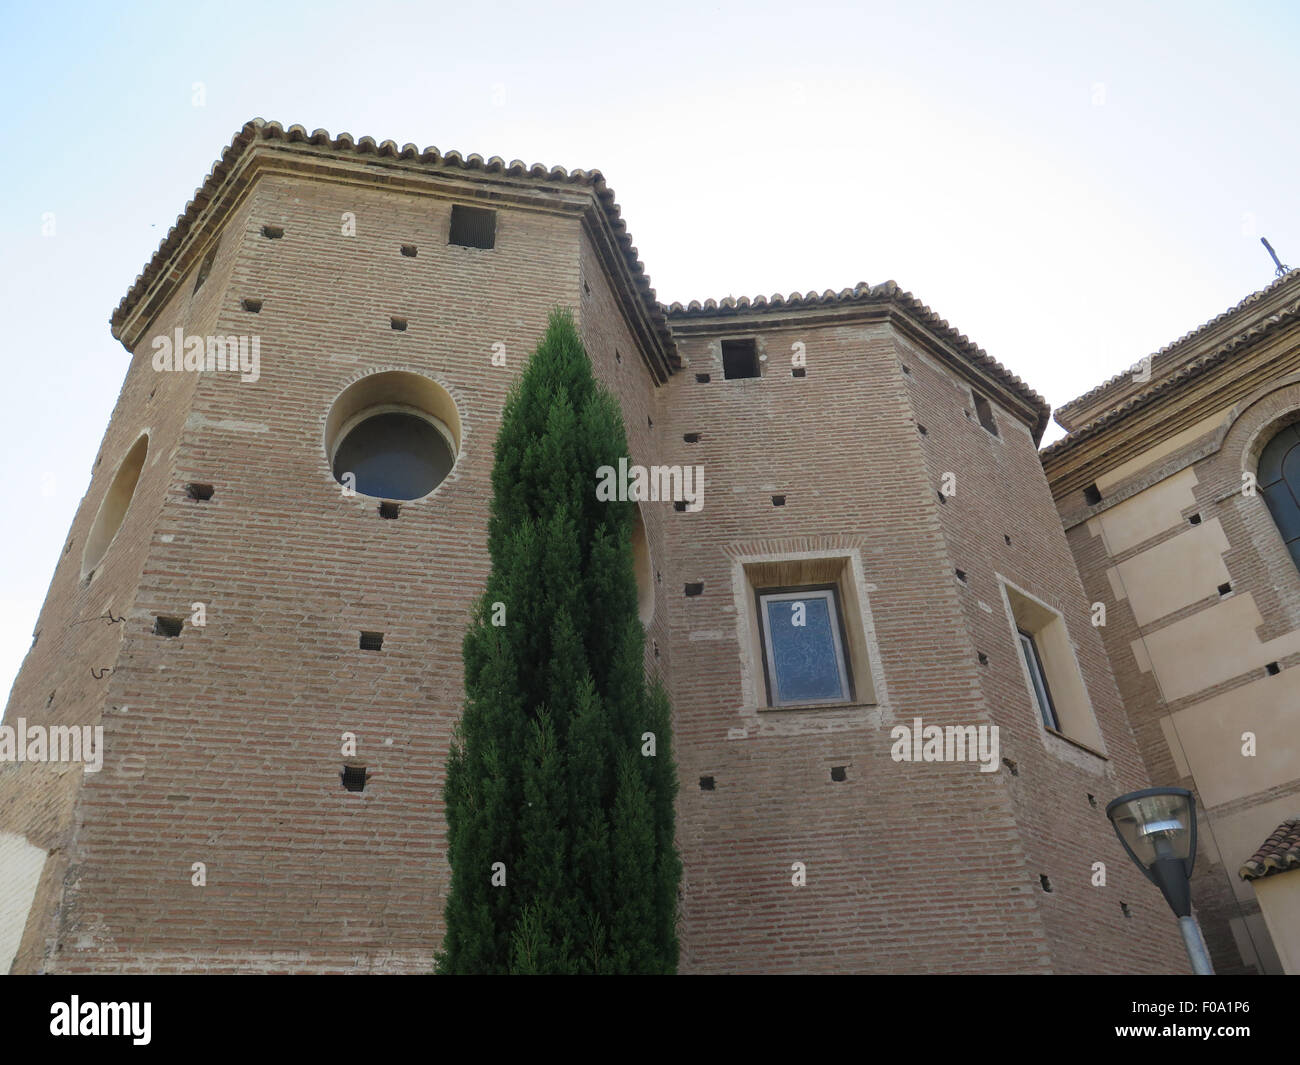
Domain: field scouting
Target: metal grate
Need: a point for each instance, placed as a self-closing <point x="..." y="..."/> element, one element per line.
<point x="473" y="227"/>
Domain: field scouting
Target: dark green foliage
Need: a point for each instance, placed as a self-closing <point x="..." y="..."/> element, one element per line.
<point x="546" y="774"/>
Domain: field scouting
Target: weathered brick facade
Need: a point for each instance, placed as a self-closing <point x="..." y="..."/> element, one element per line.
<point x="223" y="745"/>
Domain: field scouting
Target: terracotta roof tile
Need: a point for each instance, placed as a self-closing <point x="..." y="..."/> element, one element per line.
<point x="1190" y="369"/>
<point x="259" y="130"/>
<point x="862" y="293"/>
<point x="1205" y="327"/>
<point x="1279" y="854"/>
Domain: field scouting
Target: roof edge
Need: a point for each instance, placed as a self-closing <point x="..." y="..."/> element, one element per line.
<point x="863" y="294"/>
<point x="259" y="130"/>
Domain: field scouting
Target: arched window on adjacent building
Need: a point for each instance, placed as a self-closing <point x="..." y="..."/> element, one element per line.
<point x="1279" y="481"/>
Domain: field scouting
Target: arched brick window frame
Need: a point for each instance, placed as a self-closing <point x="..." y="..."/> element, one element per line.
<point x="1278" y="477"/>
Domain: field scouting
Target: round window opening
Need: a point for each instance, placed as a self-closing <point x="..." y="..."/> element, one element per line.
<point x="393" y="435"/>
<point x="112" y="511"/>
<point x="394" y="455"/>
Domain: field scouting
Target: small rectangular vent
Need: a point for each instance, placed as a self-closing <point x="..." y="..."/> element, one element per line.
<point x="169" y="627"/>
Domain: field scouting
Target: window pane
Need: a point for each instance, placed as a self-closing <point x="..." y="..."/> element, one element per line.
<point x="805" y="656"/>
<point x="1036" y="678"/>
<point x="394" y="456"/>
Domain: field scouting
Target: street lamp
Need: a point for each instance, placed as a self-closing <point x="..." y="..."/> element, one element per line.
<point x="1157" y="827"/>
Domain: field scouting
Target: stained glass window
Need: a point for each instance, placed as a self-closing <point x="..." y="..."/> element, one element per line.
<point x="803" y="646"/>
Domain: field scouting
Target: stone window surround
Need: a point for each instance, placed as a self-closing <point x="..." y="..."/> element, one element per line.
<point x="1082" y="744"/>
<point x="838" y="565"/>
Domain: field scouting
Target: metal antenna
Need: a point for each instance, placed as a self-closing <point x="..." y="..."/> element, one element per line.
<point x="1276" y="261"/>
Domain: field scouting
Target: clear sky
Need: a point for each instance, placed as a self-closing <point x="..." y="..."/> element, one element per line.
<point x="1073" y="186"/>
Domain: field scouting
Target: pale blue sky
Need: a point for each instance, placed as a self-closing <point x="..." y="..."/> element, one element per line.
<point x="1072" y="186"/>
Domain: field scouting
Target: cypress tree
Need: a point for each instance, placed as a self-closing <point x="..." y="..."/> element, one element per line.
<point x="560" y="819"/>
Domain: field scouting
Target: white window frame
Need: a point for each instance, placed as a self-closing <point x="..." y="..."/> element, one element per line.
<point x="829" y="593"/>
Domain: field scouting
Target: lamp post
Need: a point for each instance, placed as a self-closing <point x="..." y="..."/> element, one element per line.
<point x="1157" y="827"/>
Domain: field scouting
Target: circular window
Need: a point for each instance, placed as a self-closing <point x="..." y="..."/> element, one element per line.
<point x="394" y="455"/>
<point x="397" y="434"/>
<point x="112" y="511"/>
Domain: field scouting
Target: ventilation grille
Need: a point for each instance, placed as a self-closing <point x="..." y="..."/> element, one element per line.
<point x="473" y="227"/>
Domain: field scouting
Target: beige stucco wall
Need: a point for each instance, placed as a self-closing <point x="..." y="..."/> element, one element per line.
<point x="1174" y="573"/>
<point x="1211" y="646"/>
<point x="1146" y="514"/>
<point x="1279" y="899"/>
<point x="1206" y="738"/>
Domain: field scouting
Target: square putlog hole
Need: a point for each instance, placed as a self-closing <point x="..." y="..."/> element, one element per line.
<point x="390" y="510"/>
<point x="372" y="641"/>
<point x="200" y="493"/>
<point x="839" y="773"/>
<point x="409" y="250"/>
<point x="354" y="777"/>
<point x="695" y="588"/>
<point x="169" y="627"/>
<point x="251" y="306"/>
<point x="707" y="784"/>
<point x="273" y="232"/>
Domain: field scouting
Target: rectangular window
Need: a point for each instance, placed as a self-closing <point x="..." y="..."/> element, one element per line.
<point x="473" y="227"/>
<point x="1051" y="669"/>
<point x="1038" y="679"/>
<point x="804" y="658"/>
<point x="739" y="359"/>
<point x="984" y="409"/>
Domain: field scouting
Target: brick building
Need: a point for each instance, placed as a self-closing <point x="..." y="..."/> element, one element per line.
<point x="1177" y="487"/>
<point x="226" y="612"/>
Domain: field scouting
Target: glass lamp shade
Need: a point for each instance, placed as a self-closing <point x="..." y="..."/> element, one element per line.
<point x="1155" y="824"/>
